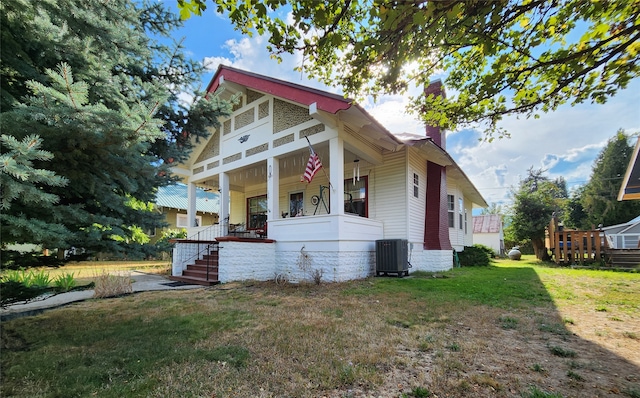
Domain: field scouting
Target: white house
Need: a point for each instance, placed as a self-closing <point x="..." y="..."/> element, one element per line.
<point x="372" y="186"/>
<point x="487" y="230"/>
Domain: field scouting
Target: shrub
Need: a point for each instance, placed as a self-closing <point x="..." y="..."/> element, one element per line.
<point x="474" y="256"/>
<point x="64" y="282"/>
<point x="13" y="260"/>
<point x="486" y="249"/>
<point x="16" y="292"/>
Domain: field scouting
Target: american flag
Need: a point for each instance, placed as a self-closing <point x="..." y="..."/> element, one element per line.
<point x="313" y="165"/>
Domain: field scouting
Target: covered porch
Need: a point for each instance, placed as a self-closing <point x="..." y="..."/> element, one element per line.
<point x="294" y="227"/>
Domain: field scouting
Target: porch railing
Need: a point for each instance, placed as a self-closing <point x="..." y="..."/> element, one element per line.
<point x="210" y="232"/>
<point x="200" y="243"/>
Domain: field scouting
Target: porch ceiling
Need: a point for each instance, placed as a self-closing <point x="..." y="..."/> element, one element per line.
<point x="292" y="166"/>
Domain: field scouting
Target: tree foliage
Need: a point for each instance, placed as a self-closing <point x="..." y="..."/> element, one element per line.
<point x="599" y="195"/>
<point x="535" y="201"/>
<point x="21" y="186"/>
<point x="494" y="208"/>
<point x="114" y="127"/>
<point x="501" y="57"/>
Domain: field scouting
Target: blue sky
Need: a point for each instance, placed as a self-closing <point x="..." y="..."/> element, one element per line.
<point x="565" y="142"/>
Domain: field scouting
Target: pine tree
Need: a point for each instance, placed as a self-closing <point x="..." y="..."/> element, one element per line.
<point x="114" y="127"/>
<point x="21" y="184"/>
<point x="599" y="197"/>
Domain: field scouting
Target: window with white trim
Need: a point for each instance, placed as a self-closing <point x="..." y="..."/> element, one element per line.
<point x="465" y="222"/>
<point x="183" y="222"/>
<point x="451" y="206"/>
<point x="460" y="212"/>
<point x="355" y="197"/>
<point x="416" y="185"/>
<point x="296" y="204"/>
<point x="257" y="212"/>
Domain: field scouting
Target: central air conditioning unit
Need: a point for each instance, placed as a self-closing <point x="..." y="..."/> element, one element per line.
<point x="392" y="257"/>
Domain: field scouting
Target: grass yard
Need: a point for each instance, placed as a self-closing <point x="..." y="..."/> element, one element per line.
<point x="88" y="270"/>
<point x="516" y="329"/>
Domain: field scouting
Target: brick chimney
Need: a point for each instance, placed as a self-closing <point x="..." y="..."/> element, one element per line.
<point x="436" y="221"/>
<point x="437" y="89"/>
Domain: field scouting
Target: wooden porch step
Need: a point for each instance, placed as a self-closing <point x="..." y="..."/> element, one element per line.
<point x="203" y="272"/>
<point x="195" y="281"/>
<point x="199" y="273"/>
<point x="202" y="267"/>
<point x="211" y="262"/>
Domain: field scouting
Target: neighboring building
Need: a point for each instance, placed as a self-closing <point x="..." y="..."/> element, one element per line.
<point x="487" y="230"/>
<point x="623" y="236"/>
<point x="372" y="186"/>
<point x="173" y="203"/>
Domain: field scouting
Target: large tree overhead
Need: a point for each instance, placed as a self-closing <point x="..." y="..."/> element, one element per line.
<point x="113" y="127"/>
<point x="501" y="57"/>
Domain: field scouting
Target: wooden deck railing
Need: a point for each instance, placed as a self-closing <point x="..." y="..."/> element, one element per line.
<point x="574" y="246"/>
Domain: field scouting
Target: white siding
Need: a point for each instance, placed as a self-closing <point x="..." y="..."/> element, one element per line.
<point x="238" y="213"/>
<point x="417" y="206"/>
<point x="308" y="190"/>
<point x="388" y="200"/>
<point x="456" y="235"/>
<point x="468" y="231"/>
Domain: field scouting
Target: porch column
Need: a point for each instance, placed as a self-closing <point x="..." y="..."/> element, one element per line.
<point x="191" y="205"/>
<point x="223" y="180"/>
<point x="273" y="188"/>
<point x="336" y="175"/>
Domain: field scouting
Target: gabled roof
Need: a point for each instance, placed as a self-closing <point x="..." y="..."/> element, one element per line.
<point x="228" y="81"/>
<point x="630" y="188"/>
<point x="175" y="197"/>
<point x="487" y="224"/>
<point x="627" y="227"/>
<point x="440" y="156"/>
<point x="227" y="77"/>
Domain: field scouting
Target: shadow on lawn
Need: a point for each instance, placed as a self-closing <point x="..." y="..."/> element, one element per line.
<point x="546" y="350"/>
<point x="502" y="321"/>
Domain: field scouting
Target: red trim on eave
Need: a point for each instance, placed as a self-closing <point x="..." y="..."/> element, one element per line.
<point x="327" y="102"/>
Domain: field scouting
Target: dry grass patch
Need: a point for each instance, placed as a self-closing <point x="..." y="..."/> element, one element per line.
<point x="110" y="285"/>
<point x="478" y="333"/>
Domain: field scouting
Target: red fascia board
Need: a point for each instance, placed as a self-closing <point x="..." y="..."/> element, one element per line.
<point x="327" y="102"/>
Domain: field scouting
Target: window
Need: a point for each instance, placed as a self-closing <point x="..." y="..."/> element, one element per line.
<point x="296" y="204"/>
<point x="460" y="211"/>
<point x="416" y="184"/>
<point x="465" y="222"/>
<point x="256" y="212"/>
<point x="451" y="203"/>
<point x="355" y="197"/>
<point x="183" y="222"/>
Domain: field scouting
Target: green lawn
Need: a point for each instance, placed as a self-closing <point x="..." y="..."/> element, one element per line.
<point x="350" y="339"/>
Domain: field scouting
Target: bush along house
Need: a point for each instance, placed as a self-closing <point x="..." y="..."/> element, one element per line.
<point x="311" y="185"/>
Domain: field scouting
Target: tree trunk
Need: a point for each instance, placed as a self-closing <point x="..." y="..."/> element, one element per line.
<point x="539" y="249"/>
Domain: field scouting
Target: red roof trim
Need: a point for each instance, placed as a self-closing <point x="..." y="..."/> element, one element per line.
<point x="326" y="101"/>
